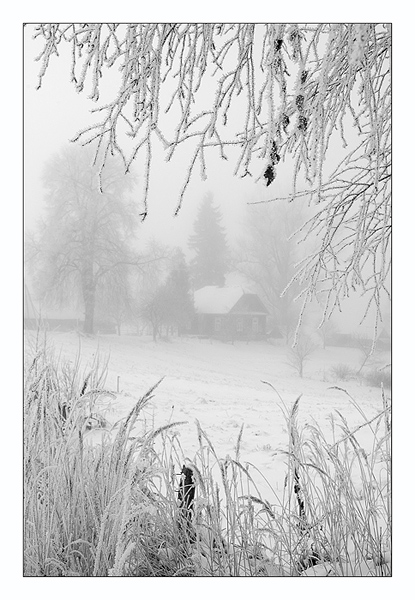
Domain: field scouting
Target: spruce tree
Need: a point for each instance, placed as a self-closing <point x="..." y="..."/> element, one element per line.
<point x="210" y="264"/>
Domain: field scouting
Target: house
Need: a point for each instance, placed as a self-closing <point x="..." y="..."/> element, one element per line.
<point x="228" y="313"/>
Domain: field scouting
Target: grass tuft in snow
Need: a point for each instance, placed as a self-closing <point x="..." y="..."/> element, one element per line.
<point x="111" y="508"/>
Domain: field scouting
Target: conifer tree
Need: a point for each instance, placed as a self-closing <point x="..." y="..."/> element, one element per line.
<point x="168" y="304"/>
<point x="178" y="291"/>
<point x="210" y="264"/>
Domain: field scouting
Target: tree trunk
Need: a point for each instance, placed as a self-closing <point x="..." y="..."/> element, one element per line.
<point x="88" y="289"/>
<point x="89" y="313"/>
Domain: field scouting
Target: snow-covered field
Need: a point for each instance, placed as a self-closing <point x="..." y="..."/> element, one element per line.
<point x="223" y="386"/>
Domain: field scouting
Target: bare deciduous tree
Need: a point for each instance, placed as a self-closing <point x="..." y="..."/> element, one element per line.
<point x="300" y="353"/>
<point x="114" y="295"/>
<point x="155" y="310"/>
<point x="267" y="254"/>
<point x="147" y="279"/>
<point x="366" y="349"/>
<point x="83" y="243"/>
<point x="326" y="331"/>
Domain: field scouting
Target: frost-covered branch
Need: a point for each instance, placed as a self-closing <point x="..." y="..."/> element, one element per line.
<point x="310" y="95"/>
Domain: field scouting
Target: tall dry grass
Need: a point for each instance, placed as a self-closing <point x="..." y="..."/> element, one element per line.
<point x="111" y="508"/>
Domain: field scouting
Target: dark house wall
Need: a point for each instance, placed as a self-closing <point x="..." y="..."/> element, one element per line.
<point x="231" y="326"/>
<point x="245" y="326"/>
<point x="246" y="321"/>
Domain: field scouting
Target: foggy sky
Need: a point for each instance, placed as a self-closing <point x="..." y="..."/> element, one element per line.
<point x="56" y="112"/>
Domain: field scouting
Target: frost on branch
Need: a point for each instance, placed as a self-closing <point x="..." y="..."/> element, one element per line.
<point x="296" y="91"/>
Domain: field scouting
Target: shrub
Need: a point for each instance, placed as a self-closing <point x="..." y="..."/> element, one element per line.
<point x="343" y="372"/>
<point x="300" y="353"/>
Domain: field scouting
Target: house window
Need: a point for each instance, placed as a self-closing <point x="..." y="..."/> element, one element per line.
<point x="255" y="324"/>
<point x="218" y="323"/>
<point x="239" y="325"/>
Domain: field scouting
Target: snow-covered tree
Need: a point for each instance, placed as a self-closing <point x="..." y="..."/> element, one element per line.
<point x="155" y="309"/>
<point x="300" y="353"/>
<point x="147" y="281"/>
<point x="266" y="255"/>
<point x="178" y="291"/>
<point x="211" y="261"/>
<point x="326" y="330"/>
<point x="167" y="304"/>
<point x="114" y="299"/>
<point x="83" y="245"/>
<point x="317" y="96"/>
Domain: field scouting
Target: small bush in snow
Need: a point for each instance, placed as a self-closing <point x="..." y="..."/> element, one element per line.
<point x="343" y="372"/>
<point x="300" y="353"/>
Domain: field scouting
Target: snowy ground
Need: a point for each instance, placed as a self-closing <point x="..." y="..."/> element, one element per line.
<point x="222" y="385"/>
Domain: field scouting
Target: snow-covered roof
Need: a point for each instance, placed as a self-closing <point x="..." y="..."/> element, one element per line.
<point x="213" y="299"/>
